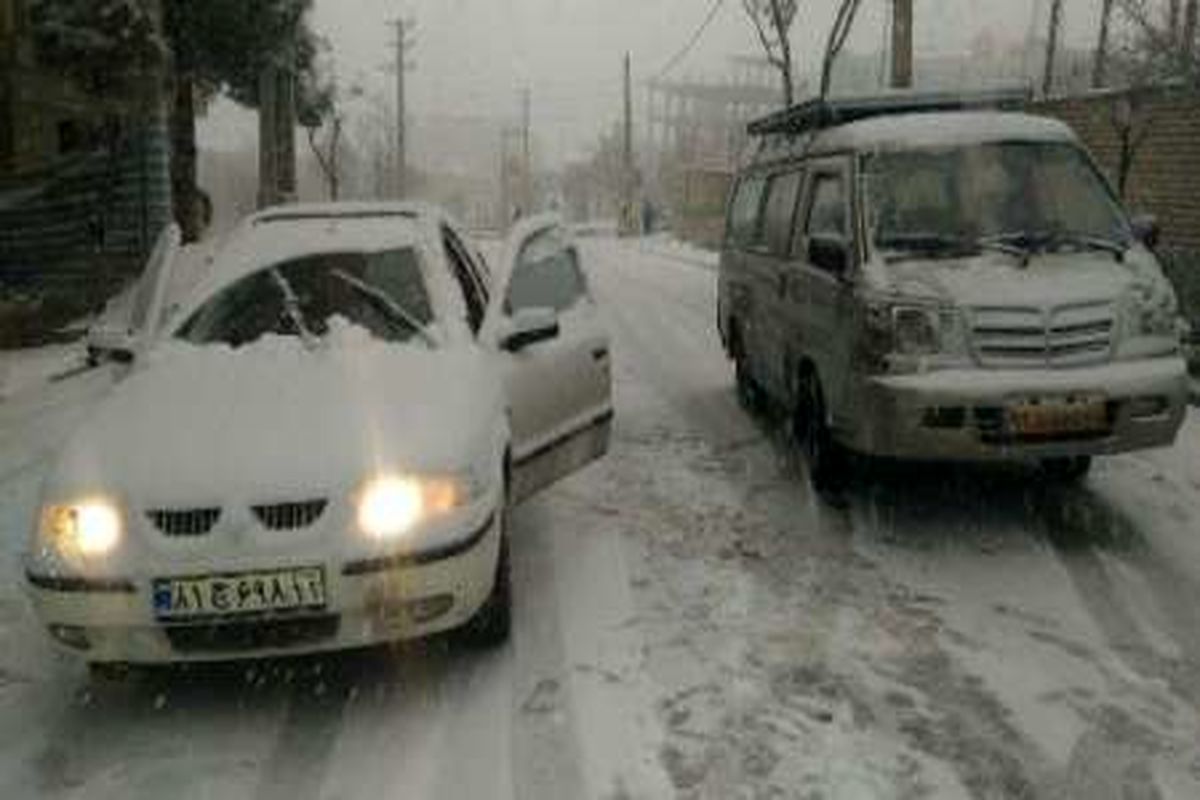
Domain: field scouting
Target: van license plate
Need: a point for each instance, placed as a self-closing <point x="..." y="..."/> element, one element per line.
<point x="301" y="589"/>
<point x="1059" y="418"/>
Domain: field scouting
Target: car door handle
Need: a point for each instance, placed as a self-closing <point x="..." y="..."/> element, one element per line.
<point x="600" y="354"/>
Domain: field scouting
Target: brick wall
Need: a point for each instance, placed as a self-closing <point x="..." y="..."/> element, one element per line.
<point x="1165" y="179"/>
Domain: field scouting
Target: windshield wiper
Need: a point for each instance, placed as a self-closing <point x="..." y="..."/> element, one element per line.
<point x="291" y="306"/>
<point x="944" y="245"/>
<point x="1031" y="242"/>
<point x="388" y="302"/>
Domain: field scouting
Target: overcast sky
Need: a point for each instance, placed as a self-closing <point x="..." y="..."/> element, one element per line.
<point x="474" y="56"/>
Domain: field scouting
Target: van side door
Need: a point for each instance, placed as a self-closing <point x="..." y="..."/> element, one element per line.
<point x="741" y="292"/>
<point x="826" y="254"/>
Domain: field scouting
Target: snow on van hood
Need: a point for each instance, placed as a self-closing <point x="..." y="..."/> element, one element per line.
<point x="272" y="420"/>
<point x="998" y="279"/>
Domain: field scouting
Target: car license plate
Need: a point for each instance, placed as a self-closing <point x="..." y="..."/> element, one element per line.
<point x="243" y="593"/>
<point x="1059" y="418"/>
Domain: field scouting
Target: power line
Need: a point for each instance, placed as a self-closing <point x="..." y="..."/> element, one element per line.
<point x="691" y="44"/>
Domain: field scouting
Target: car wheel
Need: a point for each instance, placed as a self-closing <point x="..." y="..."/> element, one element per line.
<point x="829" y="463"/>
<point x="1067" y="470"/>
<point x="492" y="624"/>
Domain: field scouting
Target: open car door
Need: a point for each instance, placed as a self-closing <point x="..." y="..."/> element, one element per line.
<point x="557" y="358"/>
<point x="133" y="321"/>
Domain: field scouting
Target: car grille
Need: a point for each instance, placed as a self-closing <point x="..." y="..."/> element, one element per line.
<point x="247" y="636"/>
<point x="1065" y="336"/>
<point x="185" y="522"/>
<point x="290" y="516"/>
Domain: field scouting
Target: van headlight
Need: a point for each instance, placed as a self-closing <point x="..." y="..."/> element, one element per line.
<point x="916" y="330"/>
<point x="90" y="528"/>
<point x="1154" y="311"/>
<point x="391" y="506"/>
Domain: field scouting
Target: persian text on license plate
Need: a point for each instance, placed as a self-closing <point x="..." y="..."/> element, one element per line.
<point x="243" y="593"/>
<point x="1057" y="418"/>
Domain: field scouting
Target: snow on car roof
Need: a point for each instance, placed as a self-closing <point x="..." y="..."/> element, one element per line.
<point x="920" y="130"/>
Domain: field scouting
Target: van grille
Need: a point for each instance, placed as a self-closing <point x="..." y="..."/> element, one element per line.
<point x="290" y="516"/>
<point x="185" y="522"/>
<point x="1065" y="336"/>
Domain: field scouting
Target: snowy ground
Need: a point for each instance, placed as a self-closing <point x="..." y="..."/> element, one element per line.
<point x="690" y="623"/>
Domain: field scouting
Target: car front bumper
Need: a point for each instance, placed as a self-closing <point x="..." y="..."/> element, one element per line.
<point x="369" y="602"/>
<point x="965" y="414"/>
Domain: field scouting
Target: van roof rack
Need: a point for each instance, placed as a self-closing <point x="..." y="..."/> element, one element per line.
<point x="817" y="114"/>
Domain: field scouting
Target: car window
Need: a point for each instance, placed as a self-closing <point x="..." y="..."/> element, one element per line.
<point x="745" y="211"/>
<point x="383" y="293"/>
<point x="468" y="283"/>
<point x="827" y="210"/>
<point x="547" y="274"/>
<point x="780" y="212"/>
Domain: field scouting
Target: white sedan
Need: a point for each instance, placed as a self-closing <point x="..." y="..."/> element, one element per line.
<point x="322" y="450"/>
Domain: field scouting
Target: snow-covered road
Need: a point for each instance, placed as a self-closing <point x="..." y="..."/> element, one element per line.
<point x="691" y="622"/>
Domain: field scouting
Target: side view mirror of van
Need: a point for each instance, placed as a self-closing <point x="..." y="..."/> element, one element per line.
<point x="830" y="253"/>
<point x="1147" y="230"/>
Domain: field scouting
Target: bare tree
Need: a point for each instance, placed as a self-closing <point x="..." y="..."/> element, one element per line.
<point x="773" y="23"/>
<point x="838" y="34"/>
<point x="1154" y="50"/>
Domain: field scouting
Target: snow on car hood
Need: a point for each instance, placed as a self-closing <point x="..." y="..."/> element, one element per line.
<point x="998" y="279"/>
<point x="273" y="421"/>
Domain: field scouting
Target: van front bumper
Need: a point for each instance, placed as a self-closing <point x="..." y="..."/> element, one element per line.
<point x="966" y="414"/>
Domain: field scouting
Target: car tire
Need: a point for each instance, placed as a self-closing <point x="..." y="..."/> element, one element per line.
<point x="829" y="463"/>
<point x="492" y="624"/>
<point x="1068" y="470"/>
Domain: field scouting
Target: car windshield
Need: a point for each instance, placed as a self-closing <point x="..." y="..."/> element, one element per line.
<point x="1022" y="194"/>
<point x="383" y="293"/>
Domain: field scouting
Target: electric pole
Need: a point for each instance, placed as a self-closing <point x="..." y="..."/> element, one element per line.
<point x="629" y="221"/>
<point x="1100" y="68"/>
<point x="902" y="44"/>
<point x="1056" y="8"/>
<point x="527" y="150"/>
<point x="403" y="45"/>
<point x="1191" y="18"/>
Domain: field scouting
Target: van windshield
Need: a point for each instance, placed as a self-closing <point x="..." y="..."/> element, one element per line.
<point x="1026" y="196"/>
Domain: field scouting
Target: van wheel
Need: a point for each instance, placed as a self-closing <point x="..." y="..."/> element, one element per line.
<point x="1067" y="470"/>
<point x="492" y="623"/>
<point x="829" y="463"/>
<point x="750" y="394"/>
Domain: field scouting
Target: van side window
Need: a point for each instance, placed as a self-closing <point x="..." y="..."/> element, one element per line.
<point x="745" y="211"/>
<point x="827" y="212"/>
<point x="780" y="214"/>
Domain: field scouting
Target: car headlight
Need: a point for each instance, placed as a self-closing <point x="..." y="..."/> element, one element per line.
<point x="88" y="528"/>
<point x="915" y="330"/>
<point x="390" y="506"/>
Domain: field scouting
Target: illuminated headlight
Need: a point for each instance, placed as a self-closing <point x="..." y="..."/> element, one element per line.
<point x="87" y="528"/>
<point x="390" y="506"/>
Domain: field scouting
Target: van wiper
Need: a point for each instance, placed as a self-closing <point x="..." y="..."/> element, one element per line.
<point x="944" y="245"/>
<point x="1051" y="241"/>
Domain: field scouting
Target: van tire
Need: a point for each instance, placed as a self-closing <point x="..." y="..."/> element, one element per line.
<point x="829" y="463"/>
<point x="1068" y="470"/>
<point x="749" y="393"/>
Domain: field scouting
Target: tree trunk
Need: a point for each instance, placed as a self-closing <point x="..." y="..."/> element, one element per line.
<point x="1100" y="68"/>
<point x="184" y="193"/>
<point x="1188" y="42"/>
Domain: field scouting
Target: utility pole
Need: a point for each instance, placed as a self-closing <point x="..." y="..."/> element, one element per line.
<point x="527" y="150"/>
<point x="403" y="45"/>
<point x="902" y="44"/>
<point x="1052" y="46"/>
<point x="628" y="213"/>
<point x="1191" y="18"/>
<point x="1173" y="22"/>
<point x="1100" y="67"/>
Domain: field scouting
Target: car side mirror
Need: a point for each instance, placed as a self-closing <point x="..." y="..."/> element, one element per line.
<point x="830" y="253"/>
<point x="1147" y="230"/>
<point x="528" y="327"/>
<point x="108" y="344"/>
